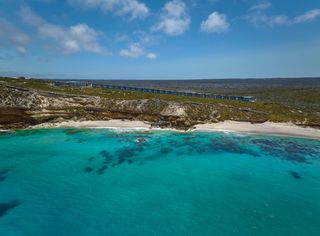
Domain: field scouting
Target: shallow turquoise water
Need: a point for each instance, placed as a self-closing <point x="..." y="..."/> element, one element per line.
<point x="100" y="182"/>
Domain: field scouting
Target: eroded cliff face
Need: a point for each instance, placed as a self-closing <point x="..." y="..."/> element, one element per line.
<point x="20" y="108"/>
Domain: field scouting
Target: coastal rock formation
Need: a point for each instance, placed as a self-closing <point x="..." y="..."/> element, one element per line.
<point x="23" y="107"/>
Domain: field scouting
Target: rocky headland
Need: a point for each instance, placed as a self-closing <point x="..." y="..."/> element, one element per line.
<point x="24" y="107"/>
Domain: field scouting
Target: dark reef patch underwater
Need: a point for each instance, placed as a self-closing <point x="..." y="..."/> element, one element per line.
<point x="5" y="207"/>
<point x="102" y="182"/>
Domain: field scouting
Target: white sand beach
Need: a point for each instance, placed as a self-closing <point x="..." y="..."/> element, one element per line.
<point x="268" y="128"/>
<point x="124" y="124"/>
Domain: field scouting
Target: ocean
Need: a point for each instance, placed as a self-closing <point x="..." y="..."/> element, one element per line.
<point x="90" y="182"/>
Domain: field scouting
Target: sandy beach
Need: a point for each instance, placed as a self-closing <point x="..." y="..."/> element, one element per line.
<point x="268" y="128"/>
<point x="110" y="124"/>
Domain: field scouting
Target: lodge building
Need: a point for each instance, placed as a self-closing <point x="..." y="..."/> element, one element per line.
<point x="156" y="91"/>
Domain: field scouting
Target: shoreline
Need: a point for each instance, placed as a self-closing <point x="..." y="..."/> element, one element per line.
<point x="267" y="128"/>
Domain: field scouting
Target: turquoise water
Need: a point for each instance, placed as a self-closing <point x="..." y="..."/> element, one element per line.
<point x="100" y="182"/>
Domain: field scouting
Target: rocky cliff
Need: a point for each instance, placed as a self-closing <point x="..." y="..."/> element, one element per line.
<point x="22" y="107"/>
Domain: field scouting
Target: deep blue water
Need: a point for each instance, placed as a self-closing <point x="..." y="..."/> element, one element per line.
<point x="99" y="182"/>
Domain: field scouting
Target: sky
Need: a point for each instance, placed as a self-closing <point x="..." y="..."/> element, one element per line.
<point x="159" y="39"/>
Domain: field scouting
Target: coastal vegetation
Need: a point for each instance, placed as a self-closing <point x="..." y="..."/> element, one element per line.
<point x="296" y="104"/>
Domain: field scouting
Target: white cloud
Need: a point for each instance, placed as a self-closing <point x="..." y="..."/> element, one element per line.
<point x="152" y="55"/>
<point x="133" y="8"/>
<point x="11" y="36"/>
<point x="258" y="17"/>
<point x="135" y="50"/>
<point x="308" y="16"/>
<point x="174" y="19"/>
<point x="21" y="49"/>
<point x="215" y="23"/>
<point x="74" y="39"/>
<point x="261" y="6"/>
<point x="86" y="37"/>
<point x="278" y="20"/>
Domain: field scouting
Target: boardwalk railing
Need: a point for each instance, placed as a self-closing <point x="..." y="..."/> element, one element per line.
<point x="156" y="91"/>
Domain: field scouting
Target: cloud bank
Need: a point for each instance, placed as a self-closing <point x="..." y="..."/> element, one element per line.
<point x="11" y="36"/>
<point x="67" y="40"/>
<point x="132" y="8"/>
<point x="257" y="16"/>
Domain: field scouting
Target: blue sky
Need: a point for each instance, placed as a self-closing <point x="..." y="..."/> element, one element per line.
<point x="160" y="39"/>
